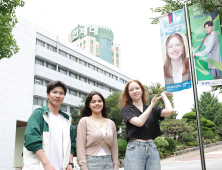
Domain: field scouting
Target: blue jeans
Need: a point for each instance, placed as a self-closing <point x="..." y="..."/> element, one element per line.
<point x="141" y="156"/>
<point x="99" y="162"/>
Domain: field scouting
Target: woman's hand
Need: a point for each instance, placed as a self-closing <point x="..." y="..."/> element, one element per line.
<point x="155" y="99"/>
<point x="165" y="93"/>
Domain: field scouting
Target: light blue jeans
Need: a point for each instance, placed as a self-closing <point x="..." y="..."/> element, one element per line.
<point x="99" y="162"/>
<point x="141" y="156"/>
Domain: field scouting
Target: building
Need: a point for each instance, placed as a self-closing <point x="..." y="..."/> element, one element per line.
<point x="97" y="40"/>
<point x="44" y="57"/>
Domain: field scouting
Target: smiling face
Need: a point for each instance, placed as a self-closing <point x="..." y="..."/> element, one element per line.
<point x="56" y="96"/>
<point x="135" y="91"/>
<point x="174" y="48"/>
<point x="208" y="29"/>
<point x="96" y="104"/>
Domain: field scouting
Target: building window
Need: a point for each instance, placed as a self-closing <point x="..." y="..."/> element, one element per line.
<point x="100" y="86"/>
<point x="92" y="82"/>
<point x="83" y="62"/>
<point x="117" y="62"/>
<point x="114" y="77"/>
<point x="91" y="41"/>
<point x="41" y="43"/>
<point x="63" y="108"/>
<point x="80" y="44"/>
<point x="73" y="75"/>
<point x="73" y="92"/>
<point x="84" y="41"/>
<point x="91" y="48"/>
<point x="112" y="54"/>
<point x="46" y="83"/>
<point x="82" y="78"/>
<point x="82" y="95"/>
<point x="72" y="109"/>
<point x="117" y="55"/>
<point x="91" y="66"/>
<point x="112" y="61"/>
<point x="108" y="74"/>
<point x="63" y="53"/>
<point x="51" y="66"/>
<point x="107" y="88"/>
<point x="100" y="70"/>
<point x="51" y="48"/>
<point x="40" y="62"/>
<point x="97" y="49"/>
<point x="117" y="48"/>
<point x="37" y="101"/>
<point x="38" y="81"/>
<point x="121" y="80"/>
<point x="73" y="58"/>
<point x="63" y="71"/>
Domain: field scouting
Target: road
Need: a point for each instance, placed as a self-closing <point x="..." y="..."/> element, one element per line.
<point x="213" y="161"/>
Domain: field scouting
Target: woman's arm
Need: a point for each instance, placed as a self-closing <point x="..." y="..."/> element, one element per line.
<point x="81" y="146"/>
<point x="114" y="149"/>
<point x="168" y="107"/>
<point x="139" y="121"/>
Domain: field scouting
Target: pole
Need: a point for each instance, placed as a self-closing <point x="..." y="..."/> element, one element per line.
<point x="194" y="84"/>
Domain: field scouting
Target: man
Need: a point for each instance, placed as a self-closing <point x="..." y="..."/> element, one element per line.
<point x="49" y="135"/>
<point x="212" y="49"/>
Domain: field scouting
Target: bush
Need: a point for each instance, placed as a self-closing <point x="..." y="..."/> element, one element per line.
<point x="214" y="140"/>
<point x="188" y="138"/>
<point x="210" y="124"/>
<point x="190" y="115"/>
<point x="178" y="149"/>
<point x="121" y="157"/>
<point x="160" y="143"/>
<point x="122" y="144"/>
<point x="189" y="143"/>
<point x="208" y="134"/>
<point x="172" y="143"/>
<point x="160" y="154"/>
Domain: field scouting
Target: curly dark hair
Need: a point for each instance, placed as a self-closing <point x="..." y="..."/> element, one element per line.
<point x="86" y="111"/>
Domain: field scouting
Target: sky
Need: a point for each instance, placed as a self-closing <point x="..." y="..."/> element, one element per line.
<point x="141" y="52"/>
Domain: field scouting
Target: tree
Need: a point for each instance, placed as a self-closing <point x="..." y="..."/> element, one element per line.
<point x="173" y="5"/>
<point x="218" y="120"/>
<point x="76" y="114"/>
<point x="209" y="106"/>
<point x="113" y="109"/>
<point x="176" y="127"/>
<point x="157" y="88"/>
<point x="8" y="20"/>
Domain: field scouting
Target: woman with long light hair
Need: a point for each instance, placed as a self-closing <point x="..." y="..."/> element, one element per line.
<point x="176" y="67"/>
<point x="142" y="126"/>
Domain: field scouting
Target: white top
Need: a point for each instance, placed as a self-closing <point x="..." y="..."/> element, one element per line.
<point x="102" y="151"/>
<point x="177" y="76"/>
<point x="55" y="133"/>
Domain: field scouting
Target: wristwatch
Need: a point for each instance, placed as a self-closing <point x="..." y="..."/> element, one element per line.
<point x="71" y="164"/>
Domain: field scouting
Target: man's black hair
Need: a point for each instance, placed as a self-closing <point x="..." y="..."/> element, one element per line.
<point x="209" y="23"/>
<point x="52" y="84"/>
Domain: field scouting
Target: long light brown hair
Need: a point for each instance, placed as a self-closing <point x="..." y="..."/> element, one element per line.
<point x="168" y="59"/>
<point x="125" y="99"/>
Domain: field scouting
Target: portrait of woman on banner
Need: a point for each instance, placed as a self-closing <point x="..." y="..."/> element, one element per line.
<point x="176" y="67"/>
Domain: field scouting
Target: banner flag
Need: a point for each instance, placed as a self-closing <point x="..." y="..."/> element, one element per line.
<point x="175" y="51"/>
<point x="207" y="45"/>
